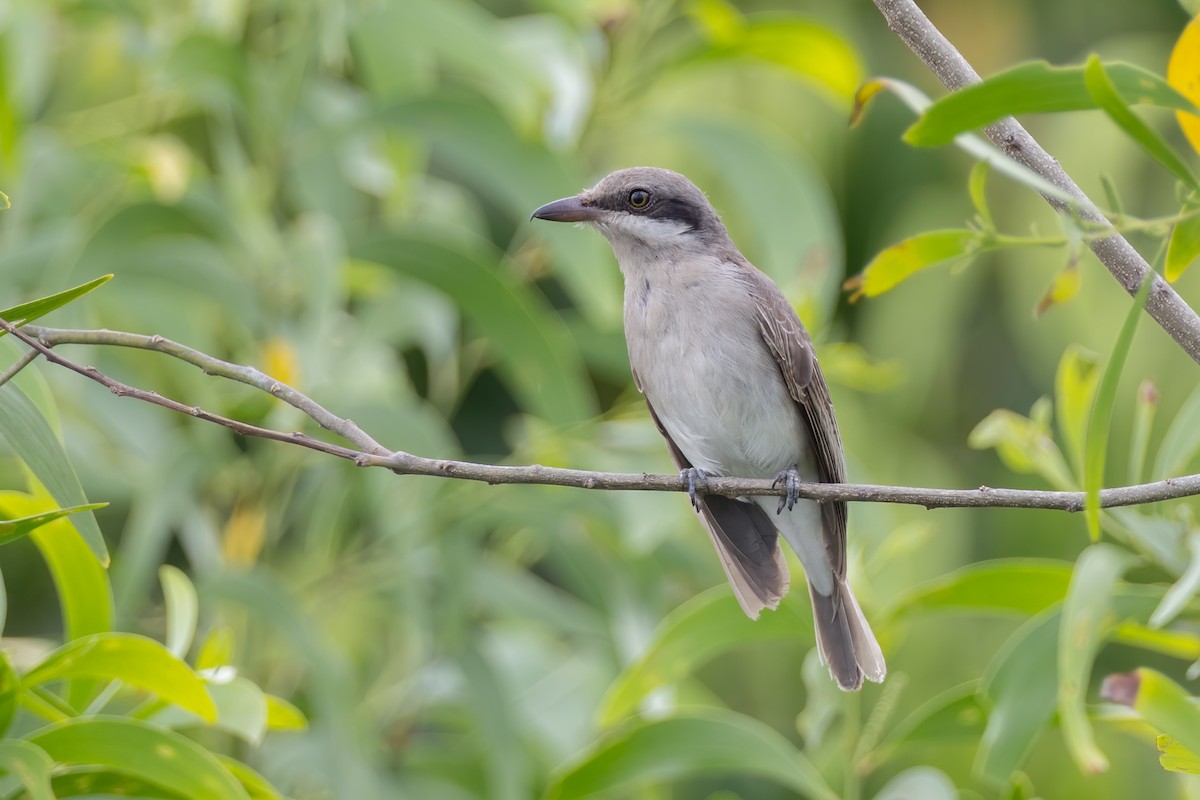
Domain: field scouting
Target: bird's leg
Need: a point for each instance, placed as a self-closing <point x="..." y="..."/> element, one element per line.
<point x="695" y="479"/>
<point x="789" y="478"/>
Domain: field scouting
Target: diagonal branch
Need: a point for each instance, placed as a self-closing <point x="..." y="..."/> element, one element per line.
<point x="1164" y="304"/>
<point x="369" y="453"/>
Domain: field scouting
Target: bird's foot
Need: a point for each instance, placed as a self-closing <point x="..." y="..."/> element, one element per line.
<point x="790" y="479"/>
<point x="696" y="479"/>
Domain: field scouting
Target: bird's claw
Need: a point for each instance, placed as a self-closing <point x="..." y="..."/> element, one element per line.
<point x="790" y="479"/>
<point x="696" y="479"/>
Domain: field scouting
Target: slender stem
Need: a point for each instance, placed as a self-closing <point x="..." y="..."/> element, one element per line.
<point x="21" y="363"/>
<point x="402" y="463"/>
<point x="1164" y="304"/>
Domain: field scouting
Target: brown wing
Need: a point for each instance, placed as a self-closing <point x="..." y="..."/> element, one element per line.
<point x="792" y="348"/>
<point x="744" y="536"/>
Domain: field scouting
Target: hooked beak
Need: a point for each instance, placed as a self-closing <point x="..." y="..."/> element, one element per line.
<point x="569" y="209"/>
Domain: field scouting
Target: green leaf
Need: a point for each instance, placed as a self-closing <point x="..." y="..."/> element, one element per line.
<point x="13" y="529"/>
<point x="971" y="144"/>
<point x="1174" y="643"/>
<point x="217" y="649"/>
<point x="84" y="594"/>
<point x="183" y="609"/>
<point x="5" y="203"/>
<point x="135" y="748"/>
<point x="30" y="765"/>
<point x="701" y="743"/>
<point x="28" y="312"/>
<point x="1018" y="585"/>
<point x="901" y="260"/>
<point x="10" y="686"/>
<point x="1024" y="445"/>
<point x="532" y="348"/>
<point x="1075" y="385"/>
<point x="977" y="186"/>
<point x="134" y="660"/>
<point x="34" y="441"/>
<point x="1096" y="450"/>
<point x="283" y="716"/>
<point x="1181" y="441"/>
<point x="1175" y="757"/>
<point x="1033" y="88"/>
<point x="1108" y="97"/>
<point x="1086" y="621"/>
<point x="255" y="785"/>
<point x="1021" y="683"/>
<point x="1184" y="244"/>
<point x="926" y="783"/>
<point x="1183" y="590"/>
<point x="1064" y="286"/>
<point x="691" y="635"/>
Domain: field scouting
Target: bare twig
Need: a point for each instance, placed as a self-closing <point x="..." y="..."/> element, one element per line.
<point x="1164" y="304"/>
<point x="369" y="453"/>
<point x="18" y="365"/>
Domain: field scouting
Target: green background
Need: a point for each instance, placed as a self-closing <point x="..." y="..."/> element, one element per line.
<point x="338" y="192"/>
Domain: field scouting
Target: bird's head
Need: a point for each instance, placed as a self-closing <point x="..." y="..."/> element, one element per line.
<point x="642" y="207"/>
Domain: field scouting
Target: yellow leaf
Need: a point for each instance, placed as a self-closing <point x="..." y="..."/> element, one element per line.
<point x="1064" y="286"/>
<point x="1184" y="245"/>
<point x="1183" y="74"/>
<point x="915" y="253"/>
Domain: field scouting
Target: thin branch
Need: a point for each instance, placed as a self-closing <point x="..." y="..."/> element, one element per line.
<point x="1164" y="304"/>
<point x="372" y="454"/>
<point x="21" y="363"/>
<point x="213" y="366"/>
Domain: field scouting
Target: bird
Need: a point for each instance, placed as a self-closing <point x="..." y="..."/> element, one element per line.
<point x="728" y="372"/>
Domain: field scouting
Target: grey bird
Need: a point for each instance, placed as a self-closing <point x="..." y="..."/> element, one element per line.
<point x="732" y="383"/>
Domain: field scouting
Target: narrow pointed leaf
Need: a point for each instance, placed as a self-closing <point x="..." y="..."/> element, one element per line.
<point x="135" y="748"/>
<point x="13" y="529"/>
<point x="971" y="144"/>
<point x="1181" y="441"/>
<point x="183" y="609"/>
<point x="134" y="660"/>
<point x="1183" y="246"/>
<point x="1033" y="88"/>
<point x="1075" y="384"/>
<point x="28" y="312"/>
<point x="1096" y="451"/>
<point x="1021" y="685"/>
<point x="1108" y="97"/>
<point x="1086" y="622"/>
<point x="1014" y="586"/>
<point x="34" y="441"/>
<point x="902" y="260"/>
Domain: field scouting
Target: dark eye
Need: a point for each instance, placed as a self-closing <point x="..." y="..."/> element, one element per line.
<point x="638" y="198"/>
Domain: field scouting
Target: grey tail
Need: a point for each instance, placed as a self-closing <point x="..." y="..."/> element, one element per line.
<point x="844" y="639"/>
<point x="748" y="544"/>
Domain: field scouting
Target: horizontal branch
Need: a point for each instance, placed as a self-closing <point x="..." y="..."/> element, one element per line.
<point x="369" y="453"/>
<point x="1125" y="264"/>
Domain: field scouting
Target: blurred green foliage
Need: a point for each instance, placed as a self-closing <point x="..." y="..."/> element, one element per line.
<point x="338" y="193"/>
